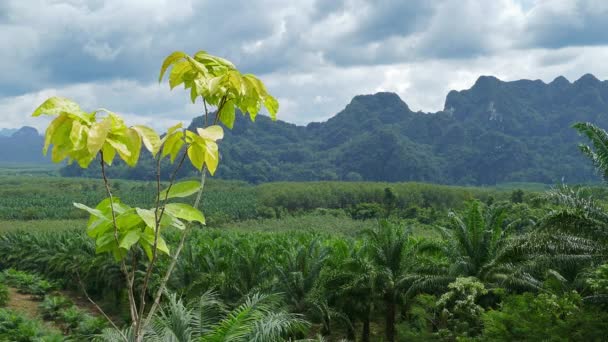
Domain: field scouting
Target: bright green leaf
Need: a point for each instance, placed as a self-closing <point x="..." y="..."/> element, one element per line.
<point x="95" y="212"/>
<point x="227" y="115"/>
<point x="129" y="239"/>
<point x="147" y="216"/>
<point x="185" y="212"/>
<point x="181" y="189"/>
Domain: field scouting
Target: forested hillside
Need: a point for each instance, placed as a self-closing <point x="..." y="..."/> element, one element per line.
<point x="494" y="132"/>
<point x="21" y="146"/>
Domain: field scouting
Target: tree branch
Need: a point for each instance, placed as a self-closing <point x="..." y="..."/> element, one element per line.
<point x="182" y="241"/>
<point x="100" y="309"/>
<point x="158" y="218"/>
<point x="132" y="304"/>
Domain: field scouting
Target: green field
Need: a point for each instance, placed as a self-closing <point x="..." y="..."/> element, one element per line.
<point x="317" y="245"/>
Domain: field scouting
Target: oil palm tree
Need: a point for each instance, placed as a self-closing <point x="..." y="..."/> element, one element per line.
<point x="259" y="318"/>
<point x="598" y="153"/>
<point x="349" y="286"/>
<point x="398" y="265"/>
<point x="480" y="245"/>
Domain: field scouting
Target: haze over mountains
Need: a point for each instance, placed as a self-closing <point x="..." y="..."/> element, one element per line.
<point x="491" y="133"/>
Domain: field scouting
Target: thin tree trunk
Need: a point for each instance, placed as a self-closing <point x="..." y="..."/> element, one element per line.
<point x="350" y="330"/>
<point x="390" y="318"/>
<point x="366" y="331"/>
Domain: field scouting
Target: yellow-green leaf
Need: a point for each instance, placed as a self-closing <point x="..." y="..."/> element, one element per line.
<point x="161" y="245"/>
<point x="77" y="135"/>
<point x="227" y="114"/>
<point x="50" y="131"/>
<point x="147" y="216"/>
<point x="212" y="133"/>
<point x="97" y="135"/>
<point x="149" y="137"/>
<point x="172" y="58"/>
<point x="108" y="153"/>
<point x="120" y="146"/>
<point x="173" y="145"/>
<point x="176" y="77"/>
<point x="133" y="142"/>
<point x="272" y="105"/>
<point x="211" y="156"/>
<point x="56" y="105"/>
<point x="196" y="153"/>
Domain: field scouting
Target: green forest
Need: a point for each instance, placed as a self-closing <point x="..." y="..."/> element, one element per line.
<point x="492" y="133"/>
<point x="176" y="254"/>
<point x="495" y="132"/>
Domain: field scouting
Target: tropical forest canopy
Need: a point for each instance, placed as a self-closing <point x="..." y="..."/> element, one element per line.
<point x="494" y="132"/>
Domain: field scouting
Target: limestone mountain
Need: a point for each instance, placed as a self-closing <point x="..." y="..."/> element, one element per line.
<point x="494" y="132"/>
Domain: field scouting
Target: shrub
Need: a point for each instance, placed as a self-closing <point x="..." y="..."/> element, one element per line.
<point x="366" y="211"/>
<point x="28" y="283"/>
<point x="40" y="288"/>
<point x="52" y="305"/>
<point x="15" y="327"/>
<point x="544" y="317"/>
<point x="88" y="327"/>
<point x="70" y="317"/>
<point x="3" y="294"/>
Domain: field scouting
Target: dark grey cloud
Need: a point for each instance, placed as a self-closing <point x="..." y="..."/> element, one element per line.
<point x="315" y="54"/>
<point x="557" y="24"/>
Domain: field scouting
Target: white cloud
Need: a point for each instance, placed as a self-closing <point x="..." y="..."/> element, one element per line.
<point x="314" y="55"/>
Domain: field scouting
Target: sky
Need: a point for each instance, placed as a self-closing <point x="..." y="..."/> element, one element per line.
<point x="313" y="55"/>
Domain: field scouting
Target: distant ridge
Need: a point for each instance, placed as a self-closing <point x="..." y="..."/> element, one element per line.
<point x="24" y="145"/>
<point x="494" y="132"/>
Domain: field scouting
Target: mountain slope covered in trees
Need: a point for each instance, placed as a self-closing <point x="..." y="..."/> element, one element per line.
<point x="491" y="133"/>
<point x="22" y="146"/>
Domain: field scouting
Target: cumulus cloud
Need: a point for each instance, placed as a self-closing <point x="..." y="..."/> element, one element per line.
<point x="315" y="55"/>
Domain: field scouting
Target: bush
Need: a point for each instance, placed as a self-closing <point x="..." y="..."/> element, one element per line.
<point x="52" y="305"/>
<point x="266" y="212"/>
<point x="3" y="294"/>
<point x="366" y="211"/>
<point x="15" y="327"/>
<point x="70" y="317"/>
<point x="88" y="327"/>
<point x="544" y="317"/>
<point x="28" y="283"/>
<point x="40" y="288"/>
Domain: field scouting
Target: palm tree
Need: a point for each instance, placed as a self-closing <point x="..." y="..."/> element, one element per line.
<point x="259" y="318"/>
<point x="479" y="245"/>
<point x="299" y="272"/>
<point x="350" y="287"/>
<point x="599" y="152"/>
<point x="395" y="256"/>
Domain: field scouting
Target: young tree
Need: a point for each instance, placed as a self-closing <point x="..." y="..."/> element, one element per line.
<point x="121" y="230"/>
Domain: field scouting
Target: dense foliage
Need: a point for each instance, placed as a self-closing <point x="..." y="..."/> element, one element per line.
<point x="494" y="132"/>
<point x="34" y="197"/>
<point x="464" y="280"/>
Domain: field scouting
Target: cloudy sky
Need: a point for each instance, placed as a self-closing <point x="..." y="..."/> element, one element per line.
<point x="314" y="55"/>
